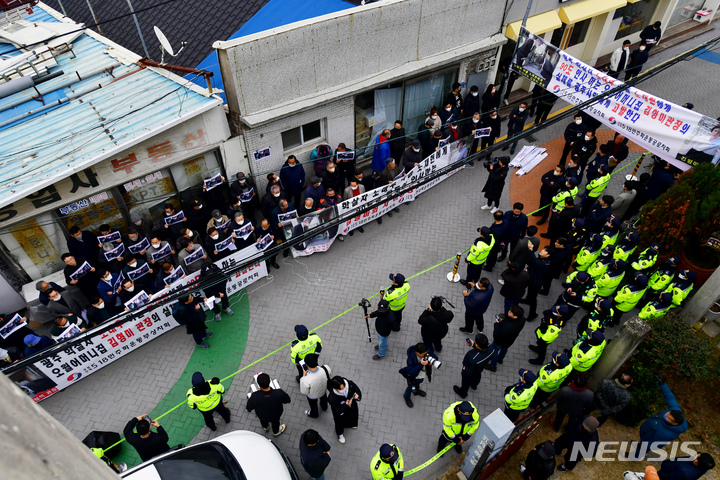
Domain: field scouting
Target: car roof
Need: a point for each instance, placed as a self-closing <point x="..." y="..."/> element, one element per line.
<point x="257" y="456"/>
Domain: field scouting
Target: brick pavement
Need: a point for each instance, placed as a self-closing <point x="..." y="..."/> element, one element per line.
<point x="313" y="289"/>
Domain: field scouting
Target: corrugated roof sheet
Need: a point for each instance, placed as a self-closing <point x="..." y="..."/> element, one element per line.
<point x="132" y="103"/>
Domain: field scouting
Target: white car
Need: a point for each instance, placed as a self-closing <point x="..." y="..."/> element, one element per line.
<point x="239" y="455"/>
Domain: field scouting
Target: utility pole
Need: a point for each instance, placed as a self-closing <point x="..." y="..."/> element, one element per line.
<point x="137" y="24"/>
<point x="507" y="79"/>
<point x="35" y="445"/>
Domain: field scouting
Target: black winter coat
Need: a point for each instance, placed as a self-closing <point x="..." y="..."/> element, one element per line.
<point x="268" y="405"/>
<point x="496" y="181"/>
<point x="515" y="284"/>
<point x="434" y="325"/>
<point x="506" y="331"/>
<point x="385" y="323"/>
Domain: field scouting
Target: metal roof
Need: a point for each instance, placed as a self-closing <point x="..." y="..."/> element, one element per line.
<point x="133" y="104"/>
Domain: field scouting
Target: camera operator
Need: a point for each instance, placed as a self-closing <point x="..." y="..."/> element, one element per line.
<point x="434" y="324"/>
<point x="418" y="367"/>
<point x="474" y="364"/>
<point x="385" y="323"/>
<point x="148" y="444"/>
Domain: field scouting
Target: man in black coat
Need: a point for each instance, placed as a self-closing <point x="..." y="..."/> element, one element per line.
<point x="425" y="136"/>
<point x="497" y="172"/>
<point x="517" y="223"/>
<point x="244" y="188"/>
<point x="412" y="156"/>
<point x="314" y="454"/>
<point x="583" y="148"/>
<point x="87" y="282"/>
<point x="520" y="255"/>
<point x="397" y="141"/>
<point x="343" y="398"/>
<point x="581" y="438"/>
<point x="558" y="261"/>
<point x="561" y="223"/>
<point x="537" y="268"/>
<point x="472" y="102"/>
<point x="651" y="35"/>
<point x="147" y="443"/>
<point x="514" y="282"/>
<point x="473" y="364"/>
<point x="506" y="329"/>
<point x="516" y="123"/>
<point x="493" y="121"/>
<point x="385" y="323"/>
<point x="499" y="229"/>
<point x="434" y="325"/>
<point x="188" y="311"/>
<point x="83" y="244"/>
<point x="540" y="462"/>
<point x="573" y="131"/>
<point x="552" y="181"/>
<point x="638" y="58"/>
<point x="211" y="273"/>
<point x="268" y="404"/>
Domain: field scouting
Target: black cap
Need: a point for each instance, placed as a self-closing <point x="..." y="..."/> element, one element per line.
<point x="383" y="306"/>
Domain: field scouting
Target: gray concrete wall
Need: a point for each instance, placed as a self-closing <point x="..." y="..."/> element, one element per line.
<point x="315" y="58"/>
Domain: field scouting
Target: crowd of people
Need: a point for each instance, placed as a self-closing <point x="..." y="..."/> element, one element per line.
<point x="107" y="270"/>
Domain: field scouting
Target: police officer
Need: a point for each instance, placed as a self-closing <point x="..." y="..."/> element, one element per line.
<point x="608" y="283"/>
<point x="594" y="189"/>
<point x="549" y="329"/>
<point x="519" y="395"/>
<point x="657" y="307"/>
<point x="473" y="364"/>
<point x="550" y="377"/>
<point x="460" y="420"/>
<point x="305" y="344"/>
<point x="580" y="290"/>
<point x="626" y="247"/>
<point x="387" y="463"/>
<point x="647" y="258"/>
<point x="601" y="265"/>
<point x="628" y="296"/>
<point x="587" y="351"/>
<point x="661" y="278"/>
<point x="479" y="252"/>
<point x="589" y="253"/>
<point x="207" y="397"/>
<point x="681" y="287"/>
<point x="397" y="295"/>
<point x="601" y="315"/>
<point x="610" y="231"/>
<point x="569" y="190"/>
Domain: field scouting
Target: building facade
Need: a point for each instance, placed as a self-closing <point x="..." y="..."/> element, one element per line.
<point x="123" y="140"/>
<point x="344" y="77"/>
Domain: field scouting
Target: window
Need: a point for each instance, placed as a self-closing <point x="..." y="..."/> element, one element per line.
<point x="299" y="136"/>
<point x="570" y="35"/>
<point x="208" y="461"/>
<point x="633" y="17"/>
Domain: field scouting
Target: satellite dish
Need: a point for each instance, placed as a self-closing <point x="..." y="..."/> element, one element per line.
<point x="163" y="41"/>
<point x="165" y="45"/>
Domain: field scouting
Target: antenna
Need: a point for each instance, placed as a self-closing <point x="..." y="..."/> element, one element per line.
<point x="165" y="45"/>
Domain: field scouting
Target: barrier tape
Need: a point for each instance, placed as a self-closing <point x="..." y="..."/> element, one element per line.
<point x="438" y="455"/>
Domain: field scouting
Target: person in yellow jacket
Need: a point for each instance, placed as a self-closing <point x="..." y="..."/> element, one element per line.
<point x="587" y="351"/>
<point x="397" y="295"/>
<point x="460" y="420"/>
<point x="610" y="281"/>
<point x="681" y="287"/>
<point x="594" y="189"/>
<point x="305" y="344"/>
<point x="387" y="464"/>
<point x="569" y="190"/>
<point x="478" y="254"/>
<point x="647" y="258"/>
<point x="589" y="253"/>
<point x="661" y="278"/>
<point x="629" y="296"/>
<point x="610" y="231"/>
<point x="519" y="396"/>
<point x="601" y="315"/>
<point x="549" y="329"/>
<point x="657" y="308"/>
<point x="601" y="265"/>
<point x="550" y="377"/>
<point x="626" y="247"/>
<point x="207" y="398"/>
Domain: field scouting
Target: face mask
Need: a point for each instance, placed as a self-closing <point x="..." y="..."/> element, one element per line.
<point x="557" y="174"/>
<point x="138" y="222"/>
<point x="133" y="264"/>
<point x="292" y="164"/>
<point x="448" y="109"/>
<point x="587" y="138"/>
<point x="276" y="195"/>
<point x="493" y="117"/>
<point x="101" y="306"/>
<point x="78" y="238"/>
<point x="416" y="150"/>
<point x="130" y="289"/>
<point x="626" y="48"/>
<point x="107" y="278"/>
<point x="521" y="109"/>
<point x="156" y="245"/>
<point x="189" y="234"/>
<point x="331" y="170"/>
<point x="57" y="299"/>
<point x="218" y="221"/>
<point x="476" y="120"/>
<point x="578" y="122"/>
<point x="133" y="238"/>
<point x="242" y="182"/>
<point x="214" y="237"/>
<point x="434" y="117"/>
<point x="239" y="221"/>
<point x="474" y="94"/>
<point x="642" y="48"/>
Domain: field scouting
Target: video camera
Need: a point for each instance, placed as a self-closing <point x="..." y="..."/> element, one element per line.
<point x="444" y="300"/>
<point x="494" y="161"/>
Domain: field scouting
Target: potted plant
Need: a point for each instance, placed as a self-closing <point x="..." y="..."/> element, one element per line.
<point x="684" y="218"/>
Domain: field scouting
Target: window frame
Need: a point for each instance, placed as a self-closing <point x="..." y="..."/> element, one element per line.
<point x="304" y="142"/>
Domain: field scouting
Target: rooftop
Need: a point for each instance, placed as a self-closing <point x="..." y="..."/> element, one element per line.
<point x="99" y="102"/>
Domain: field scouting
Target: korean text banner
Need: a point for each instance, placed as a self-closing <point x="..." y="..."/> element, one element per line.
<point x="683" y="137"/>
<point x="56" y="372"/>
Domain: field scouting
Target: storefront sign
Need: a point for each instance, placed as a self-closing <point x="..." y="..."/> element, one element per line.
<point x="682" y="137"/>
<point x="74" y="363"/>
<point x="77" y="191"/>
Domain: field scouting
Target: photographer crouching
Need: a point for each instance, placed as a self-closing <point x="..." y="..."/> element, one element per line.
<point x="419" y="366"/>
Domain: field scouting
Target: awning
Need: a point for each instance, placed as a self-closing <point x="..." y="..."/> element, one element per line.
<point x="634" y="1"/>
<point x="577" y="12"/>
<point x="537" y="24"/>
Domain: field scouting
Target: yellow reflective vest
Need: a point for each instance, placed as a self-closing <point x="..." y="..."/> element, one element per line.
<point x="397" y="296"/>
<point x="550" y="333"/>
<point x="301" y="348"/>
<point x="583" y="361"/>
<point x="597" y="186"/>
<point x="585" y="258"/>
<point x="607" y="284"/>
<point x="646" y="259"/>
<point x="679" y="293"/>
<point x="380" y="469"/>
<point x="549" y="381"/>
<point x="559" y="199"/>
<point x="627" y="298"/>
<point x="480" y="251"/>
<point x="207" y="402"/>
<point x="519" y="398"/>
<point x="452" y="428"/>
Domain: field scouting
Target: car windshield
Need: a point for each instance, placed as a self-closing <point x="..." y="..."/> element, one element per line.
<point x="207" y="462"/>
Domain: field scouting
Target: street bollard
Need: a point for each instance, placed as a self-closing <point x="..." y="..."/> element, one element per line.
<point x="454" y="276"/>
<point x="632" y="177"/>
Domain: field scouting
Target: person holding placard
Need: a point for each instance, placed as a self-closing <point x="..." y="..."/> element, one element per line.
<point x="79" y="272"/>
<point x="100" y="312"/>
<point x="190" y="255"/>
<point x="140" y="272"/>
<point x="83" y="244"/>
<point x="266" y="228"/>
<point x="136" y="241"/>
<point x="67" y="302"/>
<point x="189" y="312"/>
<point x="113" y="256"/>
<point x="245" y="190"/>
<point x="218" y="288"/>
<point x="345" y="161"/>
<point x="159" y="252"/>
<point x="213" y="189"/>
<point x="65" y="323"/>
<point x="107" y="288"/>
<point x="243" y="231"/>
<point x="173" y="221"/>
<point x="220" y="244"/>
